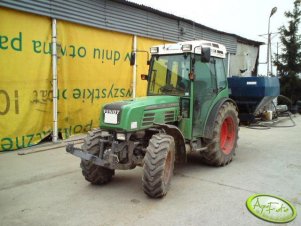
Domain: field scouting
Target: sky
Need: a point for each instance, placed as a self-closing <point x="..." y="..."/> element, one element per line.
<point x="248" y="19"/>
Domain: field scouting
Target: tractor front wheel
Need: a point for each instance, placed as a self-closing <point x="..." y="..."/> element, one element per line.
<point x="158" y="165"/>
<point x="93" y="173"/>
<point x="221" y="147"/>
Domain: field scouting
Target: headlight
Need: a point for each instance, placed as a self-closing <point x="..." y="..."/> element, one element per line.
<point x="120" y="136"/>
<point x="154" y="50"/>
<point x="186" y="47"/>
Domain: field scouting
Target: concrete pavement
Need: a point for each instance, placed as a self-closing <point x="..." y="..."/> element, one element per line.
<point x="47" y="188"/>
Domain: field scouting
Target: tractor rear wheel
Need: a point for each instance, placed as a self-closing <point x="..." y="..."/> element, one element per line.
<point x="93" y="173"/>
<point x="158" y="165"/>
<point x="221" y="147"/>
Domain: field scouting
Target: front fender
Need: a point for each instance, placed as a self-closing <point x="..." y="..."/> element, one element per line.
<point x="179" y="141"/>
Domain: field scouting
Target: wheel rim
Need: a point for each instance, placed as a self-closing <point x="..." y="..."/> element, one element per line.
<point x="167" y="168"/>
<point x="227" y="135"/>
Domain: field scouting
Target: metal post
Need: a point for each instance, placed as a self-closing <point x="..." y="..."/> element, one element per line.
<point x="54" y="82"/>
<point x="277" y="61"/>
<point x="229" y="60"/>
<point x="269" y="40"/>
<point x="268" y="48"/>
<point x="135" y="67"/>
<point x="271" y="58"/>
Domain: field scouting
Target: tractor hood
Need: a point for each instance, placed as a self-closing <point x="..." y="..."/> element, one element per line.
<point x="139" y="113"/>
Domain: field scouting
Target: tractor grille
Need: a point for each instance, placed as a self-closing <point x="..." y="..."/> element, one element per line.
<point x="148" y="119"/>
<point x="169" y="116"/>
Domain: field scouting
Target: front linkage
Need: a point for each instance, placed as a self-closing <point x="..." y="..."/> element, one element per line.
<point x="111" y="154"/>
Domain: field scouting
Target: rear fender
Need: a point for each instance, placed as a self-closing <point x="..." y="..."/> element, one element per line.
<point x="208" y="132"/>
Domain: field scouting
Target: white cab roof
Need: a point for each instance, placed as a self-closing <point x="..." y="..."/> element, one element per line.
<point x="217" y="50"/>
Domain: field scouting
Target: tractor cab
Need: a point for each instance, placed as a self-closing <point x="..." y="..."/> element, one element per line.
<point x="195" y="72"/>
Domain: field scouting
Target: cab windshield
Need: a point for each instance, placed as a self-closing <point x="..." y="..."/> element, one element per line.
<point x="169" y="75"/>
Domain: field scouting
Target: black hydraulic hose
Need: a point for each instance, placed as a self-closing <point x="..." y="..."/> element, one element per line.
<point x="287" y="99"/>
<point x="288" y="114"/>
<point x="262" y="125"/>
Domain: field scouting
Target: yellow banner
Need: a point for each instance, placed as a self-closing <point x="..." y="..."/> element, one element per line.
<point x="93" y="69"/>
<point x="25" y="74"/>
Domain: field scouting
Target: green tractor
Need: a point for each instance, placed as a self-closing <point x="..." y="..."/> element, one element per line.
<point x="187" y="109"/>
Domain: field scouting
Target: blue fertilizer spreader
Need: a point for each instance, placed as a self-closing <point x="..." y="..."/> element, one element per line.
<point x="253" y="94"/>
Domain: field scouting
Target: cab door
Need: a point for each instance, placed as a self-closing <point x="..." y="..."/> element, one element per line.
<point x="205" y="91"/>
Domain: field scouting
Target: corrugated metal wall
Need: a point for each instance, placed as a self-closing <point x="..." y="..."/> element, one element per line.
<point x="123" y="17"/>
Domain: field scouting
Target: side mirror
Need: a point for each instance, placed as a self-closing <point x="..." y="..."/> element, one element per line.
<point x="206" y="54"/>
<point x="144" y="77"/>
<point x="133" y="58"/>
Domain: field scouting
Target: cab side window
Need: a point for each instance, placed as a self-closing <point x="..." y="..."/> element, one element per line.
<point x="220" y="74"/>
